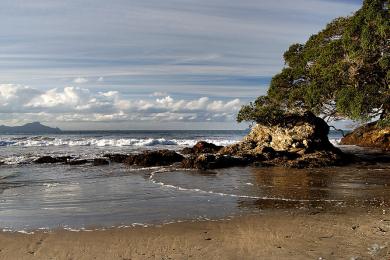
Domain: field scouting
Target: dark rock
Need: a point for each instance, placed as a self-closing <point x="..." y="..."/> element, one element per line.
<point x="187" y="150"/>
<point x="212" y="161"/>
<point x="205" y="147"/>
<point x="100" y="161"/>
<point x="77" y="162"/>
<point x="50" y="159"/>
<point x="154" y="158"/>
<point x="369" y="135"/>
<point x="202" y="147"/>
<point x="116" y="158"/>
<point x="311" y="160"/>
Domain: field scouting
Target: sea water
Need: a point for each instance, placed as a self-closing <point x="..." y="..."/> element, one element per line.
<point x="47" y="197"/>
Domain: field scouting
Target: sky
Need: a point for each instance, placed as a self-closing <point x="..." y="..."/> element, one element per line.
<point x="155" y="64"/>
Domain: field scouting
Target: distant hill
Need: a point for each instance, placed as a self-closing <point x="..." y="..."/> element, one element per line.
<point x="30" y="128"/>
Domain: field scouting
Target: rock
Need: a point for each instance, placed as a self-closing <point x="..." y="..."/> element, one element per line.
<point x="202" y="147"/>
<point x="116" y="158"/>
<point x="187" y="150"/>
<point x="212" y="161"/>
<point x="299" y="132"/>
<point x="205" y="147"/>
<point x="50" y="159"/>
<point x="369" y="136"/>
<point x="77" y="162"/>
<point x="299" y="140"/>
<point x="312" y="160"/>
<point x="154" y="158"/>
<point x="100" y="162"/>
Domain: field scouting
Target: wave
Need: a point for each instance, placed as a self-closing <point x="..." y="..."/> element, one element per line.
<point x="335" y="141"/>
<point x="7" y="143"/>
<point x="106" y="142"/>
<point x="169" y="186"/>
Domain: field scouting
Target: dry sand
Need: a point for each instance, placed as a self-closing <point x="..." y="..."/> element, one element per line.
<point x="277" y="235"/>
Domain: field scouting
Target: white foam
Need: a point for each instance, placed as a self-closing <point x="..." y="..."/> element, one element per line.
<point x="107" y="142"/>
<point x="152" y="175"/>
<point x="51" y="185"/>
<point x="335" y="141"/>
<point x="25" y="232"/>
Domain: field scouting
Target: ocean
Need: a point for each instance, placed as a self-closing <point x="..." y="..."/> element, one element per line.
<point x="57" y="196"/>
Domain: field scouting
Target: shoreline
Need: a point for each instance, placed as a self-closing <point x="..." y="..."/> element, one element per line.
<point x="280" y="234"/>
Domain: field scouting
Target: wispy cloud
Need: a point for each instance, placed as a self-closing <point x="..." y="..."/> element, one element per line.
<point x="80" y="80"/>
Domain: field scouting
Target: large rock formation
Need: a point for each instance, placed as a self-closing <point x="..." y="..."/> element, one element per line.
<point x="298" y="134"/>
<point x="369" y="135"/>
<point x="296" y="141"/>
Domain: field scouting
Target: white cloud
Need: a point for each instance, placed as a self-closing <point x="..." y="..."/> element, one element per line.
<point x="76" y="104"/>
<point x="159" y="94"/>
<point x="80" y="80"/>
<point x="70" y="96"/>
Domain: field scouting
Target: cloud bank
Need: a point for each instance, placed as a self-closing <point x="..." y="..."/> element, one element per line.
<point x="76" y="104"/>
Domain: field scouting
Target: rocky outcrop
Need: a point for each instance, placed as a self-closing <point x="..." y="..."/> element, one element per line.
<point x="77" y="162"/>
<point x="214" y="161"/>
<point x="202" y="147"/>
<point x="297" y="141"/>
<point x="369" y="135"/>
<point x="298" y="134"/>
<point x="116" y="158"/>
<point x="62" y="159"/>
<point x="154" y="158"/>
<point x="100" y="162"/>
<point x="50" y="159"/>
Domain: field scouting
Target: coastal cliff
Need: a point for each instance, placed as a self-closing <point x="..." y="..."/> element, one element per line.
<point x="370" y="135"/>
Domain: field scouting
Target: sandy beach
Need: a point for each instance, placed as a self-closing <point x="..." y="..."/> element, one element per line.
<point x="276" y="235"/>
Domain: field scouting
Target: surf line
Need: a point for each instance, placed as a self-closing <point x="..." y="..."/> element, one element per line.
<point x="166" y="170"/>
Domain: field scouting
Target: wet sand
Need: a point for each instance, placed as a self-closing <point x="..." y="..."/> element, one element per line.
<point x="279" y="234"/>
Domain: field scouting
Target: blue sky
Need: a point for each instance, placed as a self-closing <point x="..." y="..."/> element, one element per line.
<point x="127" y="64"/>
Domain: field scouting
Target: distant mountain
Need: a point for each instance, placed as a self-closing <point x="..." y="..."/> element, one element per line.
<point x="30" y="128"/>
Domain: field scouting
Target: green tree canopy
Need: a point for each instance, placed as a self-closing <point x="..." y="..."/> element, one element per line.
<point x="341" y="72"/>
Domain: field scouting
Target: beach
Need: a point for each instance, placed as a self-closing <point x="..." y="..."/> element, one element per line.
<point x="277" y="235"/>
<point x="117" y="211"/>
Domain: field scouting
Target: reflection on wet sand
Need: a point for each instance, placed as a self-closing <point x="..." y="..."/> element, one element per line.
<point x="325" y="188"/>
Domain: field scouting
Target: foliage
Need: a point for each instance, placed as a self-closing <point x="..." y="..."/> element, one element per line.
<point x="385" y="122"/>
<point x="341" y="72"/>
<point x="261" y="111"/>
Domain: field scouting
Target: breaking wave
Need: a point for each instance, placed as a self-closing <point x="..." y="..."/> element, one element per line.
<point x="105" y="142"/>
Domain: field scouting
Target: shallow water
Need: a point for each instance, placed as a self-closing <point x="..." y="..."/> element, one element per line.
<point x="50" y="197"/>
<point x="46" y="197"/>
<point x="75" y="197"/>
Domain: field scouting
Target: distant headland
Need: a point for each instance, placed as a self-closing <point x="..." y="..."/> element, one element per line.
<point x="30" y="128"/>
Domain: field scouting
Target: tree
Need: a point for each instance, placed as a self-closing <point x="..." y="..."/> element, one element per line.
<point x="342" y="72"/>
